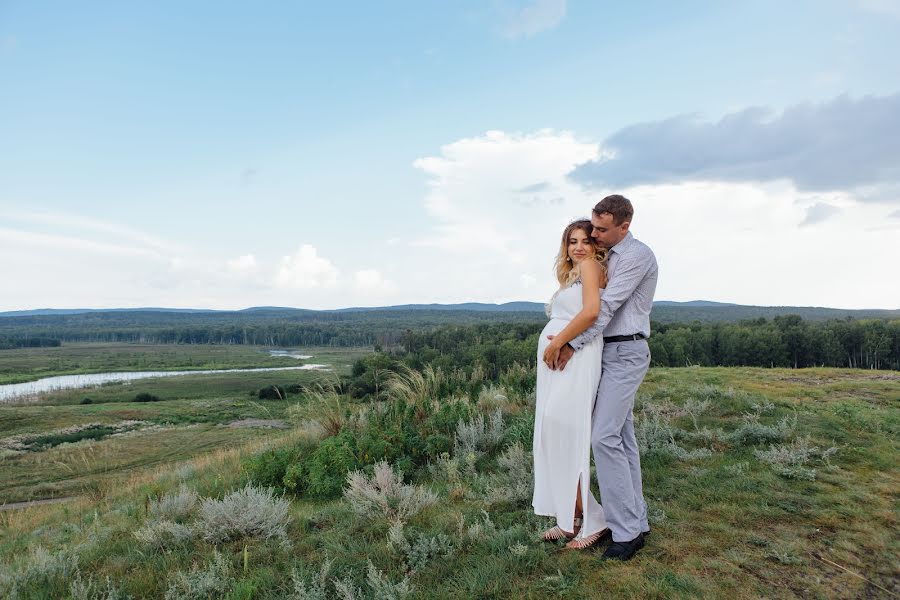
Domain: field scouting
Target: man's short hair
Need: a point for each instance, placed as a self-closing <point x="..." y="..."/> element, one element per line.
<point x="618" y="206"/>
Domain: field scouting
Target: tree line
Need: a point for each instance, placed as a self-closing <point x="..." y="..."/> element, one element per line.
<point x="450" y="339"/>
<point x="786" y="341"/>
<point x="492" y="351"/>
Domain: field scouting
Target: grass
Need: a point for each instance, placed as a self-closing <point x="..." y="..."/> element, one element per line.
<point x="28" y="364"/>
<point x="78" y="454"/>
<point x="725" y="522"/>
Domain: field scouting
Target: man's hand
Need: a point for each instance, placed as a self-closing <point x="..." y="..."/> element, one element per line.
<point x="555" y="356"/>
<point x="565" y="353"/>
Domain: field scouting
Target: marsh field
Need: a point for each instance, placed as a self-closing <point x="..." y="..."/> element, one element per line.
<point x="775" y="483"/>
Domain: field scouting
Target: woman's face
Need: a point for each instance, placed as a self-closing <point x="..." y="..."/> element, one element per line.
<point x="579" y="246"/>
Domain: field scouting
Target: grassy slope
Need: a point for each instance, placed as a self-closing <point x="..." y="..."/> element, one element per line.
<point x="189" y="420"/>
<point x="724" y="526"/>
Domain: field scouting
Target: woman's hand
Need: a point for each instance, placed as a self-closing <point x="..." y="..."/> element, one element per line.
<point x="551" y="353"/>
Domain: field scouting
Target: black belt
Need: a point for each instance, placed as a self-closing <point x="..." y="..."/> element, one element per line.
<point x="624" y="338"/>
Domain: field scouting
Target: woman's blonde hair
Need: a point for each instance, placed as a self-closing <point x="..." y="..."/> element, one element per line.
<point x="568" y="272"/>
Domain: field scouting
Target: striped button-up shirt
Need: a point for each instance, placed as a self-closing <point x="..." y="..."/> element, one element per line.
<point x="625" y="304"/>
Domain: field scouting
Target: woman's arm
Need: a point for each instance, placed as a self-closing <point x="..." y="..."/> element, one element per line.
<point x="591" y="274"/>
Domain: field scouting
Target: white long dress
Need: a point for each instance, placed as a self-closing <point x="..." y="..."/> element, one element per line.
<point x="562" y="424"/>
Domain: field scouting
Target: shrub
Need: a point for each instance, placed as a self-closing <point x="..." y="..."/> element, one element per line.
<point x="86" y="401"/>
<point x="248" y="512"/>
<point x="164" y="535"/>
<point x="270" y="468"/>
<point x="514" y="483"/>
<point x="476" y="436"/>
<point x="380" y="587"/>
<point x="654" y="432"/>
<point x="92" y="431"/>
<point x="438" y="444"/>
<point x="145" y="397"/>
<point x="41" y="569"/>
<point x="327" y="467"/>
<point x="212" y="581"/>
<point x="791" y="460"/>
<point x="316" y="588"/>
<point x="176" y="506"/>
<point x="80" y="589"/>
<point x="419" y="551"/>
<point x="752" y="432"/>
<point x="385" y="494"/>
<point x="272" y="392"/>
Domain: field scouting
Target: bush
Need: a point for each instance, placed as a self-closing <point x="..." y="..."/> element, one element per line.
<point x="145" y="397"/>
<point x="420" y="550"/>
<point x="272" y="392"/>
<point x="385" y="494"/>
<point x="270" y="468"/>
<point x="212" y="581"/>
<point x="86" y="401"/>
<point x="248" y="512"/>
<point x="514" y="482"/>
<point x="477" y="436"/>
<point x="791" y="460"/>
<point x="164" y="535"/>
<point x="327" y="468"/>
<point x="752" y="432"/>
<point x="80" y="589"/>
<point x="178" y="506"/>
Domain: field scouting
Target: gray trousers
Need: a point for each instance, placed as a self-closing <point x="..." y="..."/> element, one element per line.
<point x="612" y="438"/>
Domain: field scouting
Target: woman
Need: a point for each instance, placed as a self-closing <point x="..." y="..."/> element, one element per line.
<point x="565" y="399"/>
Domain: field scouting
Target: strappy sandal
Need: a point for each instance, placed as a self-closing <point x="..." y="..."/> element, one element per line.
<point x="556" y="533"/>
<point x="588" y="541"/>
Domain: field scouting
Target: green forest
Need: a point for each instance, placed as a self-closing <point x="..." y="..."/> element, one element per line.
<point x="494" y="350"/>
<point x="493" y="340"/>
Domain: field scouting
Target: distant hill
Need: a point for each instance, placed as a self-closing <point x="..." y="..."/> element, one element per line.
<point x="664" y="311"/>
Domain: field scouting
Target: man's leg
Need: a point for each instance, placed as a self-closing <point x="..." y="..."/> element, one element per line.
<point x="617" y="460"/>
<point x="634" y="466"/>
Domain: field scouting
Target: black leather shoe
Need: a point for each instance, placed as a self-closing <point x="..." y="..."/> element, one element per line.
<point x="624" y="550"/>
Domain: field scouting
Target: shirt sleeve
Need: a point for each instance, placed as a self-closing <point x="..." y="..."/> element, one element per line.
<point x="630" y="271"/>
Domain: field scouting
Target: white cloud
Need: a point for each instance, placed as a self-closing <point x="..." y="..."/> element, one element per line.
<point x="717" y="240"/>
<point x="488" y="193"/>
<point x="496" y="205"/>
<point x="372" y="281"/>
<point x="534" y="17"/>
<point x="73" y="226"/>
<point x="242" y="264"/>
<point x="305" y="269"/>
<point x="742" y="243"/>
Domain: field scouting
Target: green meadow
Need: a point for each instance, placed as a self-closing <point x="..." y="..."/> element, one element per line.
<point x="770" y="483"/>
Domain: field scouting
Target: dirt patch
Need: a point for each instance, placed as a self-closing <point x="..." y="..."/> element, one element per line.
<point x="261" y="423"/>
<point x="30" y="503"/>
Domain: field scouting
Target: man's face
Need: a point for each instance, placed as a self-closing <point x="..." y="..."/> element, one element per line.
<point x="607" y="233"/>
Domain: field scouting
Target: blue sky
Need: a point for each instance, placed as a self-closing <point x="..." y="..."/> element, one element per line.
<point x="224" y="155"/>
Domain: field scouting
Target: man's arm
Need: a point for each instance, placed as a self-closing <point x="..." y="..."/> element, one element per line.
<point x="630" y="270"/>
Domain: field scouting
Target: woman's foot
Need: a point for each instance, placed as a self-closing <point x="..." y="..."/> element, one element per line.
<point x="587" y="541"/>
<point x="557" y="533"/>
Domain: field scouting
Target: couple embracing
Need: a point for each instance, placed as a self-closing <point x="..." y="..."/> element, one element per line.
<point x="592" y="356"/>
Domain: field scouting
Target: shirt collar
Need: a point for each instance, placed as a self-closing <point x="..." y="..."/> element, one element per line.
<point x="623" y="243"/>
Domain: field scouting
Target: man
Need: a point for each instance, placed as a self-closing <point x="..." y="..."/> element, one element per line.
<point x="624" y="322"/>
